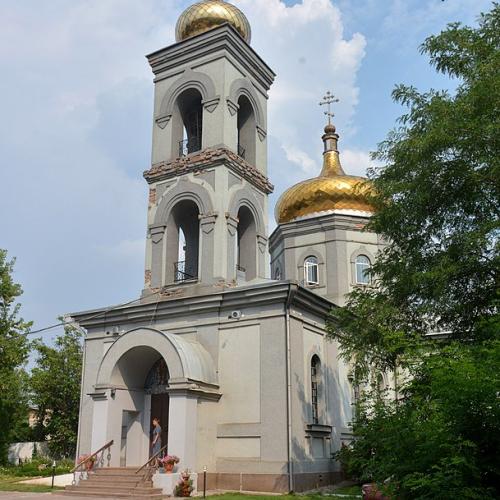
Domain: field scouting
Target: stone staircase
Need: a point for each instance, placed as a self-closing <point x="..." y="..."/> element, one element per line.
<point x="114" y="482"/>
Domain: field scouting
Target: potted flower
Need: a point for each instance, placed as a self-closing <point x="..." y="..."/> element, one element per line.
<point x="169" y="461"/>
<point x="184" y="487"/>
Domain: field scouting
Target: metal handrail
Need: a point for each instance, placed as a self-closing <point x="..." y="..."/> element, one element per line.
<point x="107" y="445"/>
<point x="151" y="459"/>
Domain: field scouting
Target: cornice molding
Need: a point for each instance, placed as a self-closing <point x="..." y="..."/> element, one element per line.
<point x="208" y="158"/>
<point x="223" y="39"/>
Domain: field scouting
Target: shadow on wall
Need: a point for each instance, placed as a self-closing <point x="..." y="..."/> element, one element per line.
<point x="314" y="445"/>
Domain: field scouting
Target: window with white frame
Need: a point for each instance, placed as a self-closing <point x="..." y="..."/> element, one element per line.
<point x="363" y="265"/>
<point x="311" y="275"/>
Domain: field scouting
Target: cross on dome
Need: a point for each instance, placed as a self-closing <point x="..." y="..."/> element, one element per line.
<point x="328" y="99"/>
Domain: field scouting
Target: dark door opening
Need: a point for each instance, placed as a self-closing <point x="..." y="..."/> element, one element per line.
<point x="159" y="409"/>
<point x="157" y="385"/>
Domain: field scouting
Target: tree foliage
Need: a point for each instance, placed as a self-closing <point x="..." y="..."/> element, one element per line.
<point x="55" y="385"/>
<point x="438" y="210"/>
<point x="14" y="348"/>
<point x="440" y="438"/>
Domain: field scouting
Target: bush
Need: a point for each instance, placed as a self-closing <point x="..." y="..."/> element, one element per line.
<point x="441" y="439"/>
<point x="38" y="467"/>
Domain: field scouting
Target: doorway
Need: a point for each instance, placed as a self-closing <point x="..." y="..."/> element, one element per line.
<point x="157" y="386"/>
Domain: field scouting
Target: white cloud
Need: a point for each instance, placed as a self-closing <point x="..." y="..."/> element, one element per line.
<point x="76" y="98"/>
<point x="356" y="162"/>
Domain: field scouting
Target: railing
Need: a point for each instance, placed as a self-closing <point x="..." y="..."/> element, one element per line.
<point x="150" y="469"/>
<point x="241" y="151"/>
<point x="190" y="145"/>
<point x="95" y="459"/>
<point x="183" y="271"/>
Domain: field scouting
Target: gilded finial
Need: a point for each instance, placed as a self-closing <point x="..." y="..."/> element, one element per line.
<point x="331" y="159"/>
<point x="328" y="99"/>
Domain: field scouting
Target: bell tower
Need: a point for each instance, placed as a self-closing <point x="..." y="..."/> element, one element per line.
<point x="208" y="186"/>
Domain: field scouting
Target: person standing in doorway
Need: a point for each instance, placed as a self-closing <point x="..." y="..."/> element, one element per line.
<point x="156" y="443"/>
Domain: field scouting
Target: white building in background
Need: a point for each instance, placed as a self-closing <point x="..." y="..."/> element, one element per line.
<point x="234" y="362"/>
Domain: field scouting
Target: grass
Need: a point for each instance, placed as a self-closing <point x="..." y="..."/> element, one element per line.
<point x="9" y="482"/>
<point x="349" y="492"/>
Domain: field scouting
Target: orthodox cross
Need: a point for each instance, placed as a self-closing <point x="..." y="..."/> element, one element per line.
<point x="327" y="100"/>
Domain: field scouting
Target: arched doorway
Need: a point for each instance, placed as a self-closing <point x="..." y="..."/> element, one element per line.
<point x="156" y="386"/>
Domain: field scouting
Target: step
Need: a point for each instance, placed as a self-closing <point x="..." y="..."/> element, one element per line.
<point x="100" y="494"/>
<point x="121" y="489"/>
<point x="114" y="479"/>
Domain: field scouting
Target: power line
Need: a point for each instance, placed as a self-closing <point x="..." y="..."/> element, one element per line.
<point x="100" y="313"/>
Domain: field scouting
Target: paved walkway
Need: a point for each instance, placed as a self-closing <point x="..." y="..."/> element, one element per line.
<point x="18" y="495"/>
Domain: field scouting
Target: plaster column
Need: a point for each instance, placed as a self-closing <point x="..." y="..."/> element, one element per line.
<point x="182" y="426"/>
<point x="232" y="228"/>
<point x="157" y="235"/>
<point x="207" y="247"/>
<point x="261" y="256"/>
<point x="99" y="422"/>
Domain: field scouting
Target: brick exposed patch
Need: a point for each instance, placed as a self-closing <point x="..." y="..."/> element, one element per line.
<point x="152" y="196"/>
<point x="208" y="158"/>
<point x="147" y="277"/>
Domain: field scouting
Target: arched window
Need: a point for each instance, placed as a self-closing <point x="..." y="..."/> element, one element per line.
<point x="362" y="265"/>
<point x="183" y="235"/>
<point x="187" y="122"/>
<point x="315" y="374"/>
<point x="311" y="274"/>
<point x="246" y="130"/>
<point x="246" y="250"/>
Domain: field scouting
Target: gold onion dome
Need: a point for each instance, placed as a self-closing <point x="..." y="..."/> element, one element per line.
<point x="203" y="16"/>
<point x="331" y="191"/>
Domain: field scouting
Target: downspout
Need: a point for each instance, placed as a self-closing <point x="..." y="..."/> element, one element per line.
<point x="78" y="440"/>
<point x="289" y="389"/>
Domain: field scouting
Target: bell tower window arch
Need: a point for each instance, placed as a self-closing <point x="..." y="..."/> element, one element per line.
<point x="246" y="245"/>
<point x="183" y="242"/>
<point x="187" y="122"/>
<point x="247" y="129"/>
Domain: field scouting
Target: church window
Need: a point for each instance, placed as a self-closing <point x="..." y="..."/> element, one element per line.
<point x="183" y="237"/>
<point x="246" y="251"/>
<point x="246" y="130"/>
<point x="315" y="369"/>
<point x="362" y="270"/>
<point x="188" y="122"/>
<point x="311" y="275"/>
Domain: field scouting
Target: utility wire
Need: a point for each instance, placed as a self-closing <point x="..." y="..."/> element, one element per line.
<point x="100" y="313"/>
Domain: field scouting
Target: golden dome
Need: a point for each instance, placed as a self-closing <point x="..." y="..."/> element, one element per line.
<point x="203" y="16"/>
<point x="331" y="190"/>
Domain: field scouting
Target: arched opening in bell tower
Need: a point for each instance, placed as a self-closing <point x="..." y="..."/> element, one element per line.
<point x="246" y="251"/>
<point x="246" y="130"/>
<point x="188" y="122"/>
<point x="183" y="237"/>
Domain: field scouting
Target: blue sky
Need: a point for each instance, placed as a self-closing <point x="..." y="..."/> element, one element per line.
<point x="76" y="102"/>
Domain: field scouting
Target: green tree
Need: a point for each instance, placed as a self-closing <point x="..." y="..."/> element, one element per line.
<point x="438" y="210"/>
<point x="14" y="348"/>
<point x="55" y="386"/>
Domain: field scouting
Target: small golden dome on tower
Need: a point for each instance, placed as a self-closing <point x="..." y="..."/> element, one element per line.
<point x="332" y="190"/>
<point x="208" y="14"/>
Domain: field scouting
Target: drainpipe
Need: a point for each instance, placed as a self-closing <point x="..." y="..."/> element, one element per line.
<point x="289" y="389"/>
<point x="78" y="439"/>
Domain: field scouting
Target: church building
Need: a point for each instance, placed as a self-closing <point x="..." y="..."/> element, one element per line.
<point x="227" y="345"/>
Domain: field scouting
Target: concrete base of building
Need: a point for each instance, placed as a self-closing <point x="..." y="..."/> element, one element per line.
<point x="268" y="483"/>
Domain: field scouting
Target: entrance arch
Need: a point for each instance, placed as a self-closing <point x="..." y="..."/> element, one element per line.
<point x="140" y="363"/>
